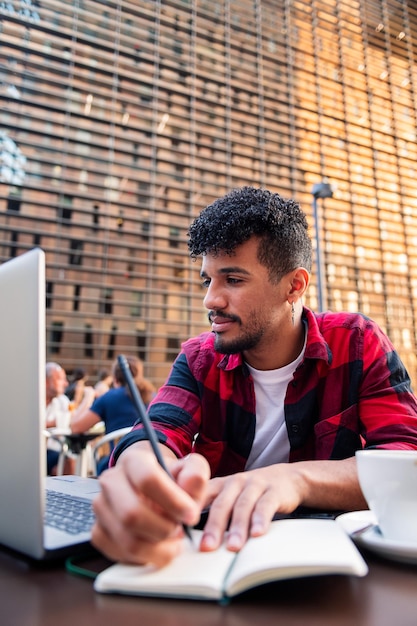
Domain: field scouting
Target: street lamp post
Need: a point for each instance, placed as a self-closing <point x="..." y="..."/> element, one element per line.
<point x="319" y="190"/>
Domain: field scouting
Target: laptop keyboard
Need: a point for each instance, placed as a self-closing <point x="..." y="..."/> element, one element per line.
<point x="68" y="513"/>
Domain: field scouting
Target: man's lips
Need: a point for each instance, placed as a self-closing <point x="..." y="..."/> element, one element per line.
<point x="220" y="323"/>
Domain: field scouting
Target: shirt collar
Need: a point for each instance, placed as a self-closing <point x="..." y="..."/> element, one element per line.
<point x="317" y="347"/>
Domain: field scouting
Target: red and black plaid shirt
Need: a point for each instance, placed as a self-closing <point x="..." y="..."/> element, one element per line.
<point x="350" y="391"/>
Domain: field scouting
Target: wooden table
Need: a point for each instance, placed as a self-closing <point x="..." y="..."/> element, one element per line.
<point x="47" y="595"/>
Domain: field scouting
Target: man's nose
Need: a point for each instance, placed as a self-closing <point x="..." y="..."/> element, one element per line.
<point x="214" y="298"/>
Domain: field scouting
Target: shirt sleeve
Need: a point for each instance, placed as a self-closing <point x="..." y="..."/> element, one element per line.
<point x="174" y="413"/>
<point x="388" y="407"/>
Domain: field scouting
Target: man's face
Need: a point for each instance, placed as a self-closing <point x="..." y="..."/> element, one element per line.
<point x="246" y="310"/>
<point x="56" y="383"/>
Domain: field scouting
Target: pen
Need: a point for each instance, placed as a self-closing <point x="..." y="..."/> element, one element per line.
<point x="147" y="424"/>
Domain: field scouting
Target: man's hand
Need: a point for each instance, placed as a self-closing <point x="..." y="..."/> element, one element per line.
<point x="249" y="501"/>
<point x="140" y="510"/>
<point x="246" y="502"/>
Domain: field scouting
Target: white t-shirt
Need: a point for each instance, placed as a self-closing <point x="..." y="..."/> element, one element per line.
<point x="58" y="410"/>
<point x="271" y="444"/>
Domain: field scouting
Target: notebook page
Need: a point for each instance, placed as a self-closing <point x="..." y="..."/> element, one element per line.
<point x="295" y="547"/>
<point x="191" y="574"/>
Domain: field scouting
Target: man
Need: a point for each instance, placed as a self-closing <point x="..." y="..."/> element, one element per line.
<point x="57" y="410"/>
<point x="57" y="403"/>
<point x="276" y="398"/>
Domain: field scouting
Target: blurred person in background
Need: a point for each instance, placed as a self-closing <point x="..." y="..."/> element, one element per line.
<point x="103" y="384"/>
<point x="115" y="407"/>
<point x="58" y="413"/>
<point x="79" y="393"/>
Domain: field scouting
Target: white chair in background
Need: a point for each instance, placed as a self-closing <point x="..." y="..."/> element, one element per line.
<point x="105" y="444"/>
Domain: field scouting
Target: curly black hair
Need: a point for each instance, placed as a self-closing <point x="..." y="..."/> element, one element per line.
<point x="231" y="220"/>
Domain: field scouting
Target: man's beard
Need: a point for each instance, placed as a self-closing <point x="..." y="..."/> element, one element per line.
<point x="247" y="341"/>
<point x="240" y="344"/>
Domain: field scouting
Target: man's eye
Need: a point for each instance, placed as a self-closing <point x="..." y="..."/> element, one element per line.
<point x="233" y="281"/>
<point x="205" y="283"/>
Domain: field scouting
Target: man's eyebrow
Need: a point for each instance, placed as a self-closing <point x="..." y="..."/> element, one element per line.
<point x="234" y="269"/>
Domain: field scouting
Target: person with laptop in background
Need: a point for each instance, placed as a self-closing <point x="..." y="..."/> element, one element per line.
<point x="263" y="414"/>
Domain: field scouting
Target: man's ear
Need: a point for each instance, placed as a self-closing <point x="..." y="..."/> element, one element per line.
<point x="299" y="281"/>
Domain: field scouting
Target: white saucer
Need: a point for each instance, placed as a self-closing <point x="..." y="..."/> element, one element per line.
<point x="372" y="539"/>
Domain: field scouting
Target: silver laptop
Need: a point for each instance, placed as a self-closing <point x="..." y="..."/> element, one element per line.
<point x="23" y="480"/>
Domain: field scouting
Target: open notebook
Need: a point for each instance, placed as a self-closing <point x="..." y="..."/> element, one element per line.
<point x="23" y="480"/>
<point x="292" y="548"/>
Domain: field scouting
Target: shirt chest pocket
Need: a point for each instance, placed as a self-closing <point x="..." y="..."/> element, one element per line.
<point x="338" y="437"/>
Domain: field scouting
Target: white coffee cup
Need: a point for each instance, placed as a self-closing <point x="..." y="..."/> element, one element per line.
<point x="388" y="479"/>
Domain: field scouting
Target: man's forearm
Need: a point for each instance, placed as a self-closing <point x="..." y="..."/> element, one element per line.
<point x="331" y="485"/>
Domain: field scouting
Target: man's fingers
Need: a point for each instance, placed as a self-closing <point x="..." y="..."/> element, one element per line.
<point x="133" y="513"/>
<point x="140" y="508"/>
<point x="129" y="526"/>
<point x="151" y="481"/>
<point x="244" y="504"/>
<point x="227" y="491"/>
<point x="130" y="549"/>
<point x="192" y="475"/>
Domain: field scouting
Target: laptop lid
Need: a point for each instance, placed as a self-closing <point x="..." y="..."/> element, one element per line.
<point x="22" y="415"/>
<point x="22" y="401"/>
